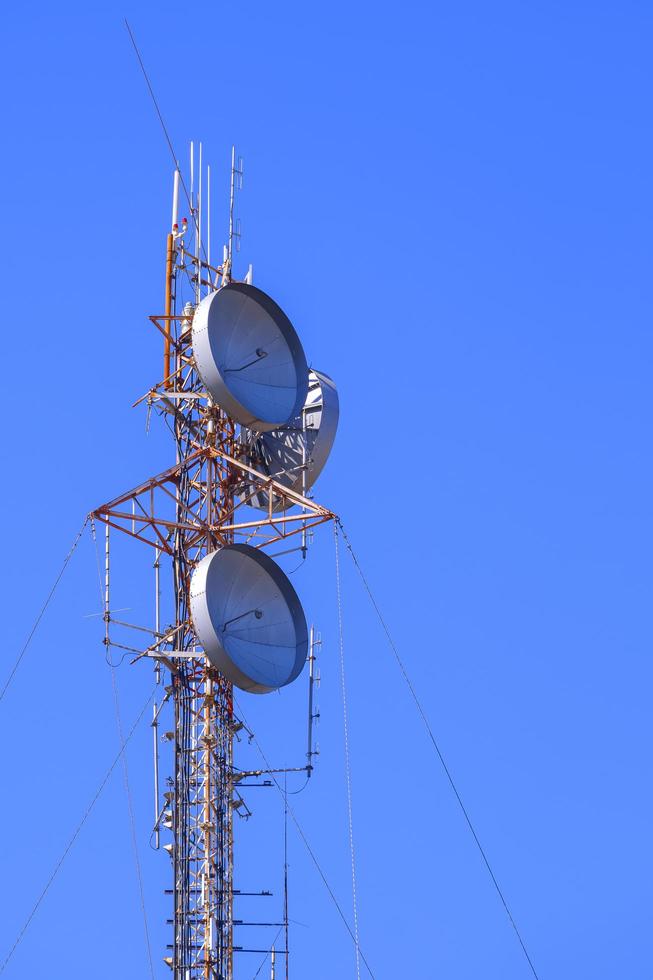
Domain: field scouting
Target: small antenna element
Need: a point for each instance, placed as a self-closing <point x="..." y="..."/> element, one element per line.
<point x="198" y="231"/>
<point x="175" y="202"/>
<point x="237" y="171"/>
<point x="208" y="218"/>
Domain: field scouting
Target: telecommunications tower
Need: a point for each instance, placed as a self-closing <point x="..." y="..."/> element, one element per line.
<point x="252" y="427"/>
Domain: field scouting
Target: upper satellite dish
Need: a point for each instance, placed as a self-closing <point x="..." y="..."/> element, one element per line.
<point x="306" y="441"/>
<point x="248" y="618"/>
<point x="249" y="357"/>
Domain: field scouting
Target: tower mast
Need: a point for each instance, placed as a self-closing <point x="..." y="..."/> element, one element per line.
<point x="210" y="501"/>
<point x="202" y="815"/>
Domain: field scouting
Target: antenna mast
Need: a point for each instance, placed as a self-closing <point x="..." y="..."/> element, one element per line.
<point x="218" y="504"/>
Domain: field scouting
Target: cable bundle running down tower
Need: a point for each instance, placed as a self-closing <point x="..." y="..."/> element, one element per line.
<point x="252" y="429"/>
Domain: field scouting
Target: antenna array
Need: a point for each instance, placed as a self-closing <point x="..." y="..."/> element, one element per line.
<point x="251" y="432"/>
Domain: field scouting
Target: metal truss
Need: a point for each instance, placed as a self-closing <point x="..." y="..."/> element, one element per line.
<point x="151" y="515"/>
<point x="203" y="502"/>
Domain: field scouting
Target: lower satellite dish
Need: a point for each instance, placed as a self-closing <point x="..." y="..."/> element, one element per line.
<point x="249" y="357"/>
<point x="248" y="618"/>
<point x="306" y="441"/>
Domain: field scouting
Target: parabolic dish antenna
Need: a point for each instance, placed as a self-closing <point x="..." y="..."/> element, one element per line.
<point x="248" y="618"/>
<point x="306" y="441"/>
<point x="249" y="357"/>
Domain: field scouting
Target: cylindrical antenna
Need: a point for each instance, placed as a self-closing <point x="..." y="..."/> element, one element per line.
<point x="272" y="964"/>
<point x="107" y="588"/>
<point x="232" y="189"/>
<point x="198" y="231"/>
<point x="285" y="867"/>
<point x="192" y="172"/>
<point x="157" y="608"/>
<point x="155" y="744"/>
<point x="170" y="256"/>
<point x="208" y="219"/>
<point x="175" y="202"/>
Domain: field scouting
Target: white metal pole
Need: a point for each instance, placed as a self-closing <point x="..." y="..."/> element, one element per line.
<point x="157" y="607"/>
<point x="192" y="172"/>
<point x="107" y="613"/>
<point x="175" y="202"/>
<point x="198" y="237"/>
<point x="155" y="747"/>
<point x="157" y="676"/>
<point x="208" y="219"/>
<point x="231" y="205"/>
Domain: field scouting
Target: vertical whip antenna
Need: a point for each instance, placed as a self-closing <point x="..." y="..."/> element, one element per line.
<point x="175" y="202"/>
<point x="231" y="203"/>
<point x="192" y="172"/>
<point x="208" y="219"/>
<point x="236" y="182"/>
<point x="198" y="229"/>
<point x="285" y="868"/>
<point x="170" y="276"/>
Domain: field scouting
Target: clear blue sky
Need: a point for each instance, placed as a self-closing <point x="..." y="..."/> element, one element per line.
<point x="452" y="202"/>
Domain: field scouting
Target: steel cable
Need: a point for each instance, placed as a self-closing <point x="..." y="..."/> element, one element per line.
<point x="345" y="723"/>
<point x="77" y="832"/>
<point x="438" y="751"/>
<point x="165" y="132"/>
<point x="43" y="609"/>
<point x="268" y="954"/>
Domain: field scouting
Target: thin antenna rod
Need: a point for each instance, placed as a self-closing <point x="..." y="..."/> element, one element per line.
<point x="192" y="175"/>
<point x="285" y="866"/>
<point x="231" y="205"/>
<point x="311" y="685"/>
<point x="107" y="589"/>
<point x="157" y="681"/>
<point x="170" y="275"/>
<point x="208" y="217"/>
<point x="175" y="202"/>
<point x="155" y="750"/>
<point x="198" y="226"/>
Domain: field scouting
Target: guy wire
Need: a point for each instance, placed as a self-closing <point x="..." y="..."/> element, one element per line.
<point x="447" y="771"/>
<point x="164" y="127"/>
<point x="77" y="832"/>
<point x="43" y="609"/>
<point x="345" y="722"/>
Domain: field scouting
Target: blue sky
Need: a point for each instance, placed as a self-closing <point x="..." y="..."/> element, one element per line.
<point x="452" y="203"/>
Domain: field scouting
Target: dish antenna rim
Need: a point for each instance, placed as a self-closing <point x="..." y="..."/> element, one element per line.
<point x="206" y="630"/>
<point x="212" y="373"/>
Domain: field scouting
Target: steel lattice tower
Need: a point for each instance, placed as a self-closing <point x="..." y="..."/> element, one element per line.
<point x="184" y="513"/>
